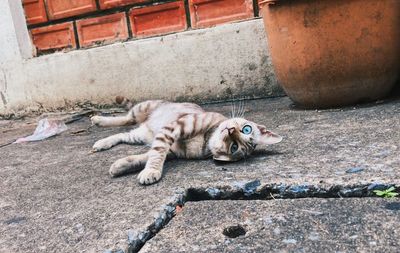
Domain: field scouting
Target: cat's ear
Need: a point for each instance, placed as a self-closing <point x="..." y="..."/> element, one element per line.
<point x="267" y="137"/>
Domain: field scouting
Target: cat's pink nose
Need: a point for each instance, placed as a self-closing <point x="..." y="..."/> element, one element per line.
<point x="230" y="130"/>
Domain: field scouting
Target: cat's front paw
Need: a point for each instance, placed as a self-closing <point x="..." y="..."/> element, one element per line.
<point x="101" y="145"/>
<point x="149" y="176"/>
<point x="119" y="167"/>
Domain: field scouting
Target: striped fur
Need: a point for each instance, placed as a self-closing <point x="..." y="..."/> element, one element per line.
<point x="180" y="130"/>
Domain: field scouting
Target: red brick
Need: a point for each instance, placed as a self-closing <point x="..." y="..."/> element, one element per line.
<point x="206" y="13"/>
<point x="158" y="19"/>
<point x="35" y="11"/>
<point x="66" y="8"/>
<point x="54" y="37"/>
<point x="103" y="29"/>
<point x="106" y="4"/>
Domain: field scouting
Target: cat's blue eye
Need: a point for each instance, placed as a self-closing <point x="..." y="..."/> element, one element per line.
<point x="247" y="129"/>
<point x="234" y="147"/>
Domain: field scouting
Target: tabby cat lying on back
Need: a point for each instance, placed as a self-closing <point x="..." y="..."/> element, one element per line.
<point x="181" y="130"/>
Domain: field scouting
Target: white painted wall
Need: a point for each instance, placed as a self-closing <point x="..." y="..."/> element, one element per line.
<point x="200" y="65"/>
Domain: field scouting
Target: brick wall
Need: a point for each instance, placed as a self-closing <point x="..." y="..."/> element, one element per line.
<point x="71" y="24"/>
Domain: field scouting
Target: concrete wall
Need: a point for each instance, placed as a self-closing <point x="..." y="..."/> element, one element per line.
<point x="200" y="65"/>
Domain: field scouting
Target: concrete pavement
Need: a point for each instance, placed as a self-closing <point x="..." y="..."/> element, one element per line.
<point x="56" y="197"/>
<point x="291" y="225"/>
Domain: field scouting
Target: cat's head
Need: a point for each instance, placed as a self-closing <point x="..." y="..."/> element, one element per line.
<point x="237" y="138"/>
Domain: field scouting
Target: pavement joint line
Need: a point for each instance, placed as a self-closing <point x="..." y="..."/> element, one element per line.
<point x="251" y="190"/>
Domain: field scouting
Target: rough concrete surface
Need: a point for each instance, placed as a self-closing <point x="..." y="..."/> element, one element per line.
<point x="56" y="197"/>
<point x="293" y="225"/>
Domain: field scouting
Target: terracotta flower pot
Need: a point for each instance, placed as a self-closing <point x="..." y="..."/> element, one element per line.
<point x="334" y="52"/>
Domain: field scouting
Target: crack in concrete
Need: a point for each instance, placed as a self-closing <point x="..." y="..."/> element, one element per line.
<point x="3" y="98"/>
<point x="5" y="81"/>
<point x="250" y="190"/>
<point x="2" y="93"/>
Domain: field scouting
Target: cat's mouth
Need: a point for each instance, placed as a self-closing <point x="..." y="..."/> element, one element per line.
<point x="226" y="159"/>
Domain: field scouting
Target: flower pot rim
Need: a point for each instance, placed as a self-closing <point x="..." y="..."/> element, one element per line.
<point x="268" y="2"/>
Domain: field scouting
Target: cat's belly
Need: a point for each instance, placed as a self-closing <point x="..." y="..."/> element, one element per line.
<point x="168" y="113"/>
<point x="193" y="148"/>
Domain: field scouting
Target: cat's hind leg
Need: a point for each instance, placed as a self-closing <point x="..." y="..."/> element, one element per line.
<point x="113" y="121"/>
<point x="139" y="135"/>
<point x="137" y="114"/>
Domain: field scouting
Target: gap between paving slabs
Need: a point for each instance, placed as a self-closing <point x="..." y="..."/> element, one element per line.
<point x="252" y="190"/>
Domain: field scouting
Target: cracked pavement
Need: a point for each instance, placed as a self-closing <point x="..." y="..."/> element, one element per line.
<point x="56" y="197"/>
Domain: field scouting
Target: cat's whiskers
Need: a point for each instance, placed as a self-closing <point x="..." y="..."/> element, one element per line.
<point x="233" y="109"/>
<point x="238" y="110"/>
<point x="241" y="109"/>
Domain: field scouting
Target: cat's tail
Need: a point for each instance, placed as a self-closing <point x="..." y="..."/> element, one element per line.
<point x="124" y="102"/>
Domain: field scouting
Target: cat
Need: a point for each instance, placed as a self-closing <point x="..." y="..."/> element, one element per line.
<point x="179" y="130"/>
